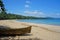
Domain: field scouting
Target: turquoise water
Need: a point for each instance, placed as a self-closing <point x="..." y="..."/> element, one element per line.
<point x="42" y="21"/>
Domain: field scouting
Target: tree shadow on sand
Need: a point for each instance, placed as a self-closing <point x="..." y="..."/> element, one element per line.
<point x="12" y="37"/>
<point x="4" y="27"/>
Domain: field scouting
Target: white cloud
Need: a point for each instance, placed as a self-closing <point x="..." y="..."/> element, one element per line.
<point x="26" y="11"/>
<point x="27" y="1"/>
<point x="31" y="12"/>
<point x="26" y="6"/>
<point x="55" y="15"/>
<point x="35" y="13"/>
<point x="58" y="14"/>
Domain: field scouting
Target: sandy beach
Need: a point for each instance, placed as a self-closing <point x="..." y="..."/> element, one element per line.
<point x="38" y="31"/>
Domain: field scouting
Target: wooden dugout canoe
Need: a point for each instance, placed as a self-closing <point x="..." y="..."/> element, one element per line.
<point x="16" y="31"/>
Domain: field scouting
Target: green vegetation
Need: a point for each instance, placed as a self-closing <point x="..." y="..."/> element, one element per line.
<point x="14" y="16"/>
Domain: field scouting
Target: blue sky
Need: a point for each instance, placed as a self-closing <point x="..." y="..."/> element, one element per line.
<point x="39" y="8"/>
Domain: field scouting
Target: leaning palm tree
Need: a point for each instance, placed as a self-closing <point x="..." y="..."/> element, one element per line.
<point x="2" y="9"/>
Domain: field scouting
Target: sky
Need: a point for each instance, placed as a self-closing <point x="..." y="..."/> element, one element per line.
<point x="38" y="8"/>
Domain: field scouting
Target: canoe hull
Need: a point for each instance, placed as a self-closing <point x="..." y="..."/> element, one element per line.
<point x="16" y="31"/>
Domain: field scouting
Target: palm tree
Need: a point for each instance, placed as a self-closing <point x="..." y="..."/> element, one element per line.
<point x="2" y="7"/>
<point x="3" y="14"/>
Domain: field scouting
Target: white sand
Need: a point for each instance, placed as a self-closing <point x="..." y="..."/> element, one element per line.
<point x="41" y="31"/>
<point x="11" y="24"/>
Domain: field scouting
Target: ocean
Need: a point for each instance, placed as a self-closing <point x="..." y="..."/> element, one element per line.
<point x="42" y="21"/>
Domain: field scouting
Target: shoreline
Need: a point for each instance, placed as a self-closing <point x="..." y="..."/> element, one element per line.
<point x="47" y="22"/>
<point x="41" y="23"/>
<point x="41" y="31"/>
<point x="52" y="28"/>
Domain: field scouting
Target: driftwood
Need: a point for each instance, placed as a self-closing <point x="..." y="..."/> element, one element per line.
<point x="16" y="31"/>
